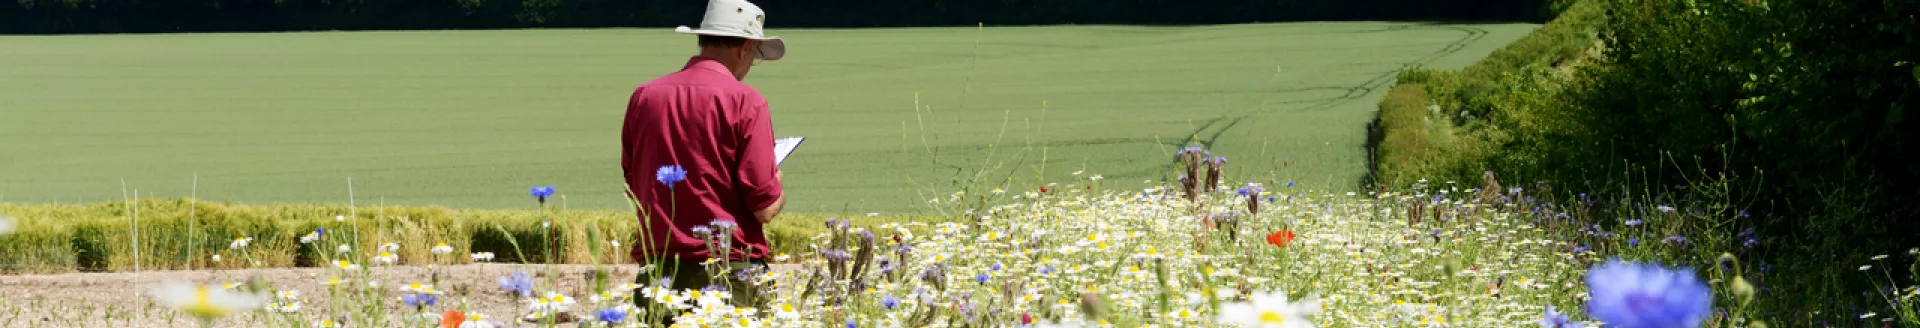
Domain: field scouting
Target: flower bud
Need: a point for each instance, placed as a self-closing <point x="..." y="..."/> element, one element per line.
<point x="1741" y="289"/>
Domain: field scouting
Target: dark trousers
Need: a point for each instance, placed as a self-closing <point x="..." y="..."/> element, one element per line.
<point x="693" y="275"/>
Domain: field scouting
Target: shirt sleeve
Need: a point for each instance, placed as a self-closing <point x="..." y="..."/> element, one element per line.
<point x="627" y="135"/>
<point x="757" y="186"/>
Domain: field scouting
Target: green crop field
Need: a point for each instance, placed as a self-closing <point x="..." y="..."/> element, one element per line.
<point x="470" y="119"/>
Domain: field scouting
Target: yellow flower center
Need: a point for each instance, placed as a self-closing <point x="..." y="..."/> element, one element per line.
<point x="202" y="305"/>
<point x="1272" y="318"/>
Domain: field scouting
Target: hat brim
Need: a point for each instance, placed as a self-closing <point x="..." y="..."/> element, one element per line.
<point x="771" y="48"/>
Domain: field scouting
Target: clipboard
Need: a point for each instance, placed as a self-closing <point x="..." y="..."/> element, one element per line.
<point x="783" y="147"/>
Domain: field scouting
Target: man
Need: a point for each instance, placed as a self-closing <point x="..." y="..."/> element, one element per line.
<point x="704" y="120"/>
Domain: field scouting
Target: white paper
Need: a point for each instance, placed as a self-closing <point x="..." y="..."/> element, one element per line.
<point x="783" y="147"/>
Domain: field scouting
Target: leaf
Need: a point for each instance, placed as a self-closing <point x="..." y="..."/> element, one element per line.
<point x="1916" y="73"/>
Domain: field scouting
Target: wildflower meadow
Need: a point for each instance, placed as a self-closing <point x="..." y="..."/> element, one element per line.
<point x="1202" y="251"/>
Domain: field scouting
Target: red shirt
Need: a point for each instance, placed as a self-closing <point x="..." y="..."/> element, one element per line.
<point x="716" y="128"/>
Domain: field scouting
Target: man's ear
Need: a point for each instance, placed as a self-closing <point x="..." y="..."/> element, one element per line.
<point x="746" y="50"/>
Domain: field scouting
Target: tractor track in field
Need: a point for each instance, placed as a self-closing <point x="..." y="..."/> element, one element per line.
<point x="1206" y="134"/>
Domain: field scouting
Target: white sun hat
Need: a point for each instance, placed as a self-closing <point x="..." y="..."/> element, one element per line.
<point x="740" y="19"/>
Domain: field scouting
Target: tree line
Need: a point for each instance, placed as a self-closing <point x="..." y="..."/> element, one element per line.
<point x="155" y="16"/>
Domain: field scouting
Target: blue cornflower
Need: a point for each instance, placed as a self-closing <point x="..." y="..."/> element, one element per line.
<point x="670" y="174"/>
<point x="610" y="315"/>
<point x="1289" y="184"/>
<point x="982" y="278"/>
<point x="889" y="302"/>
<point x="419" y="300"/>
<point x="1046" y="270"/>
<point x="1581" y="249"/>
<point x="1633" y="241"/>
<point x="1271" y="199"/>
<point x="1635" y="295"/>
<point x="1554" y="319"/>
<point x="996" y="267"/>
<point x="541" y="193"/>
<point x="851" y="325"/>
<point x="518" y="283"/>
<point x="323" y="231"/>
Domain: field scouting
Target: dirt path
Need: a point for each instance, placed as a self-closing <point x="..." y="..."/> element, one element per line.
<point x="119" y="299"/>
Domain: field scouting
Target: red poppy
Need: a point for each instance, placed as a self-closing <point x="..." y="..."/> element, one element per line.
<point x="1280" y="239"/>
<point x="452" y="319"/>
<point x="1043" y="189"/>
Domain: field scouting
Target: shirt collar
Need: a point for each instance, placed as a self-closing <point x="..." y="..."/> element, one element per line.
<point x="707" y="63"/>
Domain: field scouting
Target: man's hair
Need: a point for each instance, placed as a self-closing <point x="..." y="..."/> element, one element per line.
<point x="721" y="41"/>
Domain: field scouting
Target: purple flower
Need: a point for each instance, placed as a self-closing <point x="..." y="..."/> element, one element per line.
<point x="419" y="300"/>
<point x="1664" y="208"/>
<point x="1634" y="222"/>
<point x="701" y="231"/>
<point x="610" y="315"/>
<point x="1676" y="239"/>
<point x="670" y="174"/>
<point x="1195" y="149"/>
<point x="889" y="302"/>
<point x="518" y="283"/>
<point x="1555" y="319"/>
<point x="723" y="225"/>
<point x="1635" y="295"/>
<point x="1251" y="190"/>
<point x="1218" y="160"/>
<point x="836" y="254"/>
<point x="541" y="193"/>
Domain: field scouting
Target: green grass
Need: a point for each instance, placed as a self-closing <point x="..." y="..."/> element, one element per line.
<point x="63" y="237"/>
<point x="1434" y="123"/>
<point x="470" y="119"/>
